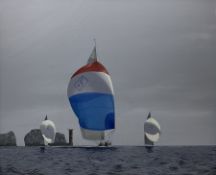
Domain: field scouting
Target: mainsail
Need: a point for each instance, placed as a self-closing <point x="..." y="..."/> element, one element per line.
<point x="48" y="131"/>
<point x="151" y="130"/>
<point x="91" y="95"/>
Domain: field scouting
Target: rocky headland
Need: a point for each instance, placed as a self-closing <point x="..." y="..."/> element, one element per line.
<point x="8" y="139"/>
<point x="35" y="138"/>
<point x="60" y="139"/>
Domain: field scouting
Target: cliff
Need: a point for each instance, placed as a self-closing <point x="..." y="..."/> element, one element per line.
<point x="8" y="139"/>
<point x="35" y="138"/>
<point x="59" y="139"/>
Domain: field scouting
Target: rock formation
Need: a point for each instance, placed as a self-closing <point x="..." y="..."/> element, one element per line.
<point x="34" y="138"/>
<point x="60" y="139"/>
<point x="8" y="139"/>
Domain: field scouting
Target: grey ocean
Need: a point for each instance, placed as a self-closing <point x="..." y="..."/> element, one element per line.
<point x="128" y="160"/>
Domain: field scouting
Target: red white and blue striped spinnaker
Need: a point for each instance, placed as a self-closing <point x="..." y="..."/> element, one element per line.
<point x="91" y="96"/>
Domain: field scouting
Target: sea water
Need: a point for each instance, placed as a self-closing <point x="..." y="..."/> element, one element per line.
<point x="127" y="160"/>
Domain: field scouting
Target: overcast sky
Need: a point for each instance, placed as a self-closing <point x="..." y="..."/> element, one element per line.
<point x="161" y="55"/>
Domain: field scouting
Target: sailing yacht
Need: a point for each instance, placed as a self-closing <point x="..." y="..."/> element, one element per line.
<point x="48" y="131"/>
<point x="152" y="131"/>
<point x="91" y="96"/>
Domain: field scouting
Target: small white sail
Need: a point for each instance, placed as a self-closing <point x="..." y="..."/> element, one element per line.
<point x="48" y="131"/>
<point x="152" y="130"/>
<point x="151" y="126"/>
<point x="153" y="138"/>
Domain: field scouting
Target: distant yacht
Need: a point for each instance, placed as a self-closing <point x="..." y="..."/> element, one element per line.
<point x="152" y="131"/>
<point x="48" y="131"/>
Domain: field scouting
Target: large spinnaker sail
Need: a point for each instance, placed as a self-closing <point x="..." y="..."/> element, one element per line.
<point x="48" y="131"/>
<point x="91" y="95"/>
<point x="151" y="130"/>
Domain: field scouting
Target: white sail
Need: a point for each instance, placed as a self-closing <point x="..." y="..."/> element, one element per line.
<point x="153" y="138"/>
<point x="152" y="130"/>
<point x="48" y="131"/>
<point x="151" y="126"/>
